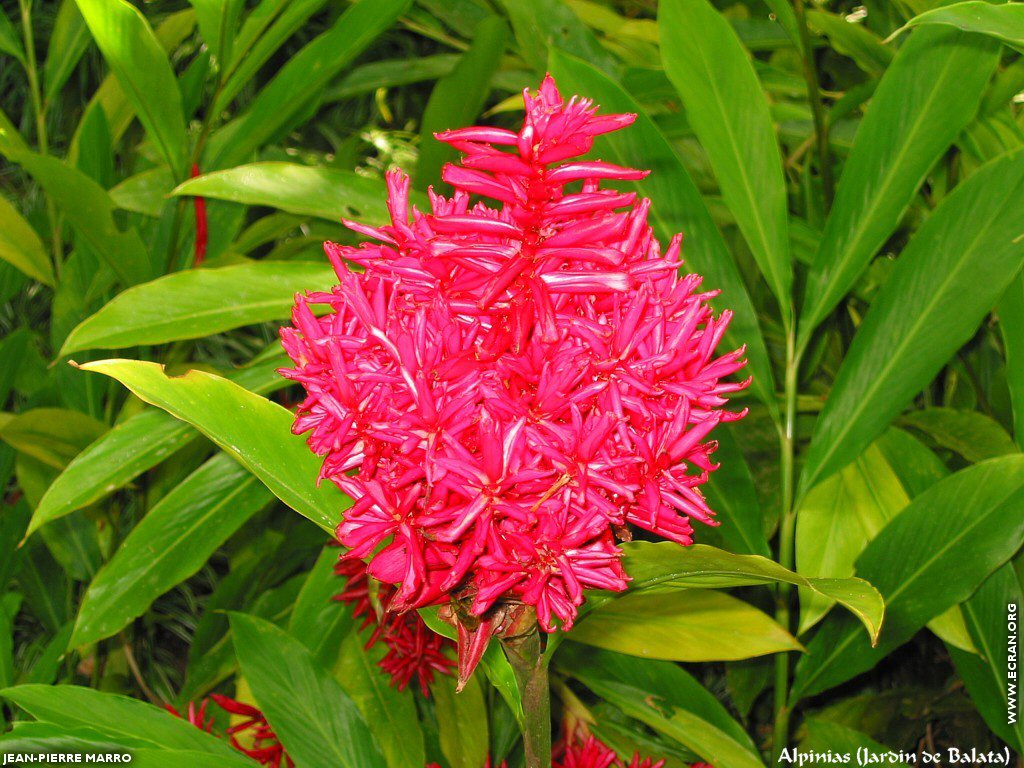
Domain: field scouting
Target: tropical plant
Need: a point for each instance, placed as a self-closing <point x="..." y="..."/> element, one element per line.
<point x="847" y="176"/>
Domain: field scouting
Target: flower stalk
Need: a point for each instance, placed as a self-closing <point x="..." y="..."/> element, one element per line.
<point x="530" y="666"/>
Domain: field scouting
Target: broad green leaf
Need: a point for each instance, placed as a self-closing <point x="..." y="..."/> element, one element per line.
<point x="134" y="446"/>
<point x="116" y="717"/>
<point x="683" y="625"/>
<point x="111" y="97"/>
<point x="677" y="206"/>
<point x="950" y="275"/>
<point x="1003" y="21"/>
<point x="985" y="677"/>
<point x="838" y="518"/>
<point x="44" y="585"/>
<point x="217" y="21"/>
<point x="919" y="565"/>
<point x="33" y="736"/>
<point x="664" y="697"/>
<point x="972" y="434"/>
<point x="925" y="99"/>
<point x="69" y="40"/>
<point x="666" y="566"/>
<point x="462" y="722"/>
<point x="54" y="436"/>
<point x="728" y="111"/>
<point x="390" y="713"/>
<point x="135" y="56"/>
<point x="317" y="619"/>
<point x="21" y="247"/>
<point x="199" y="302"/>
<point x="326" y="193"/>
<point x="458" y="97"/>
<point x="287" y="99"/>
<point x="317" y="722"/>
<point x="917" y="468"/>
<point x="89" y="210"/>
<point x="144" y="192"/>
<point x="172" y="542"/>
<point x="1011" y="324"/>
<point x="253" y="429"/>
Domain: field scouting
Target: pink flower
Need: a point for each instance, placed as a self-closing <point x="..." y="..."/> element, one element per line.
<point x="414" y="651"/>
<point x="503" y="390"/>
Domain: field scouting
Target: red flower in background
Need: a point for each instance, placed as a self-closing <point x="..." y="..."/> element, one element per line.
<point x="414" y="651"/>
<point x="260" y="741"/>
<point x="502" y="390"/>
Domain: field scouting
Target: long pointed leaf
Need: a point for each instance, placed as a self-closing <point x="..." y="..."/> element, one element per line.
<point x="927" y="96"/>
<point x="728" y="111"/>
<point x="949" y="276"/>
<point x="253" y="429"/>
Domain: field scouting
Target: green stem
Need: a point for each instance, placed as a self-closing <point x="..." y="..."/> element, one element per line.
<point x="531" y="671"/>
<point x="817" y="109"/>
<point x="32" y="70"/>
<point x="787" y="526"/>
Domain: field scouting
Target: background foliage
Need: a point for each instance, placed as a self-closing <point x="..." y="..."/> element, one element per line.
<point x="849" y="175"/>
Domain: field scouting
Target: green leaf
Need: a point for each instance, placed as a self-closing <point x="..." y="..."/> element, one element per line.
<point x="134" y="446"/>
<point x="1003" y="21"/>
<point x="973" y="435"/>
<point x="316" y="720"/>
<point x="171" y="543"/>
<point x="543" y="25"/>
<point x="825" y="736"/>
<point x="677" y="206"/>
<point x="9" y="606"/>
<point x="458" y="97"/>
<point x="68" y="42"/>
<point x="21" y="247"/>
<point x="728" y="111"/>
<point x="287" y="99"/>
<point x="663" y="696"/>
<point x="853" y="40"/>
<point x="326" y="193"/>
<point x="985" y="677"/>
<point x="89" y="210"/>
<point x="145" y="192"/>
<point x="683" y="625"/>
<point x="265" y="29"/>
<point x="918" y="563"/>
<point x="217" y="21"/>
<point x="667" y="566"/>
<point x="135" y="56"/>
<point x="733" y="496"/>
<point x="949" y="276"/>
<point x="317" y="619"/>
<point x="199" y="302"/>
<point x="54" y="436"/>
<point x="10" y="41"/>
<point x="838" y="518"/>
<point x="116" y="718"/>
<point x="1011" y="325"/>
<point x="254" y="430"/>
<point x="925" y="99"/>
<point x="389" y="712"/>
<point x="462" y="722"/>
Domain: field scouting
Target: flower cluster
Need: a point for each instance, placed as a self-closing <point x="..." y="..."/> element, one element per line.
<point x="252" y="736"/>
<point x="414" y="651"/>
<point x="503" y="390"/>
<point x="586" y="751"/>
